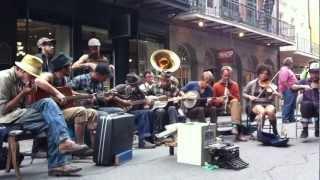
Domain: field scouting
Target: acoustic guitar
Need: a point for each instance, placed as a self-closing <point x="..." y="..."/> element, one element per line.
<point x="71" y="99"/>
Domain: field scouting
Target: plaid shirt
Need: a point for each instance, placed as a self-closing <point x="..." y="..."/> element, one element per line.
<point x="85" y="83"/>
<point x="170" y="91"/>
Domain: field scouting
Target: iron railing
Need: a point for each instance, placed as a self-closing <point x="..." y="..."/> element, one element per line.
<point x="306" y="46"/>
<point x="247" y="14"/>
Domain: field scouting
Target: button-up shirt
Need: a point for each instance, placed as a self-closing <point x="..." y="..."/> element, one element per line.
<point x="10" y="86"/>
<point x="286" y="78"/>
<point x="85" y="82"/>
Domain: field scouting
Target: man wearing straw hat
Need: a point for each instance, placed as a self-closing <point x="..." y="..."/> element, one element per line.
<point x="16" y="84"/>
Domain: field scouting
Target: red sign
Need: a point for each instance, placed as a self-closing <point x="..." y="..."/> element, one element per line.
<point x="225" y="56"/>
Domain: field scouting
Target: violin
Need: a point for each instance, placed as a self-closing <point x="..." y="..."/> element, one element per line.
<point x="267" y="86"/>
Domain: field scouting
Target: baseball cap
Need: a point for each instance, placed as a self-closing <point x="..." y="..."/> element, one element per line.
<point x="43" y="40"/>
<point x="94" y="42"/>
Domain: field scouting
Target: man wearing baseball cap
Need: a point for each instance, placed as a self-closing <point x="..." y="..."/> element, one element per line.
<point x="19" y="83"/>
<point x="46" y="52"/>
<point x="310" y="99"/>
<point x="94" y="56"/>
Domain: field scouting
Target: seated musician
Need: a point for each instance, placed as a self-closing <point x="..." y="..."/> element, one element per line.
<point x="227" y="98"/>
<point x="82" y="118"/>
<point x="93" y="82"/>
<point x="130" y="93"/>
<point x="148" y="83"/>
<point x="310" y="100"/>
<point x="260" y="94"/>
<point x="19" y="82"/>
<point x="202" y="109"/>
<point x="167" y="86"/>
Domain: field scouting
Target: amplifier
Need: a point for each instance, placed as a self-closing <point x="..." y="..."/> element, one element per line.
<point x="192" y="139"/>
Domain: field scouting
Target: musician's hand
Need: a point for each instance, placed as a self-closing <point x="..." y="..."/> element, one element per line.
<point x="61" y="99"/>
<point x="108" y="98"/>
<point x="91" y="66"/>
<point x="252" y="98"/>
<point x="220" y="99"/>
<point x="275" y="93"/>
<point x="306" y="87"/>
<point x="27" y="90"/>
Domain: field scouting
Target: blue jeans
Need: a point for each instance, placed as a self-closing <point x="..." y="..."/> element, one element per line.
<point x="57" y="130"/>
<point x="142" y="121"/>
<point x="173" y="114"/>
<point x="289" y="105"/>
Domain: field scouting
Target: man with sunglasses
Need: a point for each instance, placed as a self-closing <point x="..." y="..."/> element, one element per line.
<point x="46" y="52"/>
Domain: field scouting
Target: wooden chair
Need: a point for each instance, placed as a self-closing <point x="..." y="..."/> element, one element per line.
<point x="14" y="137"/>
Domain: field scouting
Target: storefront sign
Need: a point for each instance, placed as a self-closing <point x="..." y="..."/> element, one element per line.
<point x="225" y="56"/>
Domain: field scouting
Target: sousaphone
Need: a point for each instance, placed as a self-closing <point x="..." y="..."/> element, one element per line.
<point x="165" y="60"/>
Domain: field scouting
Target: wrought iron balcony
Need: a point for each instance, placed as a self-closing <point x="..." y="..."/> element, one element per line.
<point x="232" y="16"/>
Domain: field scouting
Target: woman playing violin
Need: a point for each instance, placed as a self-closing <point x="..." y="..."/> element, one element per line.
<point x="260" y="94"/>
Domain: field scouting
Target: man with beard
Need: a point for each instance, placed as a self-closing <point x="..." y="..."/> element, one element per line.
<point x="82" y="118"/>
<point x="310" y="99"/>
<point x="90" y="60"/>
<point x="46" y="48"/>
<point x="143" y="117"/>
<point x="18" y="84"/>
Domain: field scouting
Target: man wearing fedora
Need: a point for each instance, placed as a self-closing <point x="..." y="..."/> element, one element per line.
<point x="143" y="117"/>
<point x="21" y="81"/>
<point x="46" y="48"/>
<point x="81" y="117"/>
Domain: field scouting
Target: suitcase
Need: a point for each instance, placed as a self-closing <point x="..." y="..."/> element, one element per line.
<point x="114" y="135"/>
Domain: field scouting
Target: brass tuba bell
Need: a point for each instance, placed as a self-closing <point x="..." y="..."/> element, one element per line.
<point x="165" y="60"/>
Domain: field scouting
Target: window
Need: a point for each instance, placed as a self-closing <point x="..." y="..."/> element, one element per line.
<point x="88" y="32"/>
<point x="29" y="31"/>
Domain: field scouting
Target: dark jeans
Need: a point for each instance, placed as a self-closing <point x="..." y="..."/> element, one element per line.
<point x="309" y="109"/>
<point x="199" y="113"/>
<point x="289" y="105"/>
<point x="57" y="129"/>
<point x="143" y="120"/>
<point x="164" y="116"/>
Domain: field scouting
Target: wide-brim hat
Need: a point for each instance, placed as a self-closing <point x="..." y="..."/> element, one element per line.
<point x="30" y="64"/>
<point x="133" y="79"/>
<point x="60" y="61"/>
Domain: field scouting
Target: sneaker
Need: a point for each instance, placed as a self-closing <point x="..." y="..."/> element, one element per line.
<point x="146" y="145"/>
<point x="65" y="170"/>
<point x="304" y="134"/>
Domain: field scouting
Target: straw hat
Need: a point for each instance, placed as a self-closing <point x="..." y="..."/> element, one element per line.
<point x="31" y="64"/>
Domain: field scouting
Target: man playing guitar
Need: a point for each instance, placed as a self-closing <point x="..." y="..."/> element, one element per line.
<point x="130" y="93"/>
<point x="81" y="117"/>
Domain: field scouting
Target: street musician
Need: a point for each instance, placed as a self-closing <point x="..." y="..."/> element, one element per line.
<point x="310" y="99"/>
<point x="260" y="94"/>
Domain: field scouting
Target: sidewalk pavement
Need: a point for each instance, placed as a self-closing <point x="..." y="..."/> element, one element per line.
<point x="299" y="161"/>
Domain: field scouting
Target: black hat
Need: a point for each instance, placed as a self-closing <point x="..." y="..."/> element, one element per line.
<point x="103" y="69"/>
<point x="133" y="79"/>
<point x="60" y="61"/>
